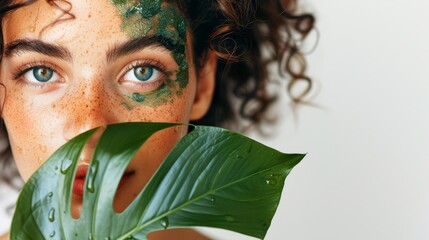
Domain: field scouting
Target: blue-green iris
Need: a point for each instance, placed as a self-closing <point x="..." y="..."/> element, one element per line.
<point x="43" y="74"/>
<point x="143" y="73"/>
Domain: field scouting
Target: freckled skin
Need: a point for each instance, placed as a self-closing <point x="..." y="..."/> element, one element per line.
<point x="40" y="120"/>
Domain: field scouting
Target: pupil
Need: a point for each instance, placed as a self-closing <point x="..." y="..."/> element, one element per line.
<point x="143" y="73"/>
<point x="43" y="74"/>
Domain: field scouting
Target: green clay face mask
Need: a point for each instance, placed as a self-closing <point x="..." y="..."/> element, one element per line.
<point x="163" y="21"/>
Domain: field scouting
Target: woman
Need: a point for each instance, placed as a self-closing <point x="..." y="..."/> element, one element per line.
<point x="69" y="66"/>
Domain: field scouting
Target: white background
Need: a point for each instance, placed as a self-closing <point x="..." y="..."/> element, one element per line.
<point x="366" y="175"/>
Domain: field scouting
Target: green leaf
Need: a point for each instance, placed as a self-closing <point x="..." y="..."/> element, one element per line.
<point x="212" y="177"/>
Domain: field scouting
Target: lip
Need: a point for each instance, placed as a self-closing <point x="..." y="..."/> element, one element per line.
<point x="79" y="181"/>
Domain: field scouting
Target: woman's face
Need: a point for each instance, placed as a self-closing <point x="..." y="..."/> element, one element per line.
<point x="101" y="62"/>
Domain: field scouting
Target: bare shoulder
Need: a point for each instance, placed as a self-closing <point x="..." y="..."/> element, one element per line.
<point x="178" y="234"/>
<point x="5" y="237"/>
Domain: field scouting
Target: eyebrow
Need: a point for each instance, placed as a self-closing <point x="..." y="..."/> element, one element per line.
<point x="139" y="44"/>
<point x="53" y="50"/>
<point x="30" y="45"/>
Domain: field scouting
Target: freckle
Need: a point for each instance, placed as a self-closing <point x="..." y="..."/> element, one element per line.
<point x="42" y="148"/>
<point x="89" y="15"/>
<point x="19" y="149"/>
<point x="53" y="106"/>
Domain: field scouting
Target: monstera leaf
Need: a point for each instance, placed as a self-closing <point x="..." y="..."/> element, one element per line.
<point x="212" y="177"/>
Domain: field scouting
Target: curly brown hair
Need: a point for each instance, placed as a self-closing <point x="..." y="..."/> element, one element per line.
<point x="247" y="36"/>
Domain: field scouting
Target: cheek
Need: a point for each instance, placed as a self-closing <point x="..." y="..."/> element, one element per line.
<point x="31" y="134"/>
<point x="176" y="110"/>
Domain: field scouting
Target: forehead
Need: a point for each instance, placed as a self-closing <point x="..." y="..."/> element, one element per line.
<point x="68" y="21"/>
<point x="63" y="22"/>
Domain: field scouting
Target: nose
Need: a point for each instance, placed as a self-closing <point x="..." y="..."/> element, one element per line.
<point x="82" y="121"/>
<point x="87" y="108"/>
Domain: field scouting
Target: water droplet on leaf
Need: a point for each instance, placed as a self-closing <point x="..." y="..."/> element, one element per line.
<point x="212" y="199"/>
<point x="50" y="194"/>
<point x="229" y="218"/>
<point x="52" y="234"/>
<point x="51" y="216"/>
<point x="271" y="181"/>
<point x="264" y="224"/>
<point x="91" y="176"/>
<point x="65" y="165"/>
<point x="250" y="148"/>
<point x="164" y="223"/>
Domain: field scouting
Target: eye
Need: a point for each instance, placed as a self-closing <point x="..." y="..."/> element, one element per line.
<point x="41" y="74"/>
<point x="142" y="74"/>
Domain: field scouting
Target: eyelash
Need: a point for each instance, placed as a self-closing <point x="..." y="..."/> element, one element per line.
<point x="30" y="66"/>
<point x="147" y="63"/>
